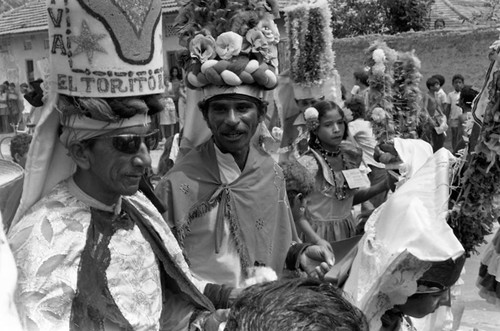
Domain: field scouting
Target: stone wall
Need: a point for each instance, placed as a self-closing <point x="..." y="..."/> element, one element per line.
<point x="446" y="52"/>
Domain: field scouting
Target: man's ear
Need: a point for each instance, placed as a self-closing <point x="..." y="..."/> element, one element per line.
<point x="263" y="112"/>
<point x="80" y="153"/>
<point x="16" y="157"/>
<point x="203" y="107"/>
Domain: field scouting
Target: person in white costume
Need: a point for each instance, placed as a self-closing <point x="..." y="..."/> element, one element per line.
<point x="399" y="246"/>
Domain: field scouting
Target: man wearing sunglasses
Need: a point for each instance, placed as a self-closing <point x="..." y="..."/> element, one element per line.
<point x="92" y="252"/>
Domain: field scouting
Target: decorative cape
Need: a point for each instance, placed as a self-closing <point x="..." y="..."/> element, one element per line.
<point x="255" y="204"/>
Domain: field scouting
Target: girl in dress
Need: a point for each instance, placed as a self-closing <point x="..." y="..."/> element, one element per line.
<point x="327" y="216"/>
<point x="168" y="116"/>
<point x="4" y="110"/>
<point x="13" y="104"/>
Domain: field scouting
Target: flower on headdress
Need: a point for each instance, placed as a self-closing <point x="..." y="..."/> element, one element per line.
<point x="379" y="58"/>
<point x="311" y="116"/>
<point x="269" y="29"/>
<point x="378" y="115"/>
<point x="311" y="113"/>
<point x="186" y="34"/>
<point x="255" y="42"/>
<point x="270" y="6"/>
<point x="271" y="55"/>
<point x="496" y="44"/>
<point x="243" y="21"/>
<point x="202" y="47"/>
<point x="228" y="44"/>
<point x="378" y="55"/>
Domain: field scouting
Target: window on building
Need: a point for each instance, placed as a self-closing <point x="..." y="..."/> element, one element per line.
<point x="30" y="70"/>
<point x="27" y="45"/>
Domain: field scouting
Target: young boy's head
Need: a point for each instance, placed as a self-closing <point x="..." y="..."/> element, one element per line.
<point x="19" y="146"/>
<point x="440" y="78"/>
<point x="433" y="84"/>
<point x="361" y="77"/>
<point x="357" y="106"/>
<point x="458" y="82"/>
<point x="303" y="304"/>
<point x="299" y="182"/>
<point x="467" y="96"/>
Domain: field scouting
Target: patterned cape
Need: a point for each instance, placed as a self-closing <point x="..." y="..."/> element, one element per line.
<point x="255" y="204"/>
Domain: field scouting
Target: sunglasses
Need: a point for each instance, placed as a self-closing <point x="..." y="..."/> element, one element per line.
<point x="131" y="143"/>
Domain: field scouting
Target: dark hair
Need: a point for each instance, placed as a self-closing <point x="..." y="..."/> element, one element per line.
<point x="440" y="78"/>
<point x="297" y="178"/>
<point x="431" y="82"/>
<point x="357" y="105"/>
<point x="343" y="92"/>
<point x="362" y="75"/>
<point x="457" y="76"/>
<point x="467" y="95"/>
<point x="323" y="107"/>
<point x="439" y="20"/>
<point x="179" y="73"/>
<point x="261" y="105"/>
<point x="24" y="85"/>
<point x="20" y="144"/>
<point x="303" y="304"/>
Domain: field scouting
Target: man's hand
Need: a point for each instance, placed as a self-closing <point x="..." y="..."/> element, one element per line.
<point x="316" y="261"/>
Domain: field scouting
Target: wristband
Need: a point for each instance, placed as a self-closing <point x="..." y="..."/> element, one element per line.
<point x="292" y="261"/>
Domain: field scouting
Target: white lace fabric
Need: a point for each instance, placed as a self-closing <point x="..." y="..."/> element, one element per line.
<point x="47" y="244"/>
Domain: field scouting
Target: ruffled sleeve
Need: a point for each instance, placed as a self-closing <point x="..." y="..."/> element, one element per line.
<point x="47" y="245"/>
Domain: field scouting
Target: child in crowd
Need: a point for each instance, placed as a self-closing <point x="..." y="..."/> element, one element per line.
<point x="362" y="132"/>
<point x="467" y="95"/>
<point x="441" y="96"/>
<point x="168" y="116"/>
<point x="299" y="185"/>
<point x="19" y="146"/>
<point x="435" y="131"/>
<point x="13" y="104"/>
<point x="328" y="213"/>
<point x="455" y="110"/>
<point x="361" y="82"/>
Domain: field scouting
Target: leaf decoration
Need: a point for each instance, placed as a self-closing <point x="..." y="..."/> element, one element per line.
<point x="50" y="265"/>
<point x="46" y="229"/>
<point x="72" y="224"/>
<point x="20" y="238"/>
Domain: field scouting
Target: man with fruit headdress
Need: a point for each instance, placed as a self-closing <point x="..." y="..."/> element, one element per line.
<point x="226" y="199"/>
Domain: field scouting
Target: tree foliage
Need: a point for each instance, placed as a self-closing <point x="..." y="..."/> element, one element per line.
<point x="490" y="13"/>
<point x="358" y="17"/>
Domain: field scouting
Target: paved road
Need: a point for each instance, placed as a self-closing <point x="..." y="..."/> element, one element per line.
<point x="478" y="313"/>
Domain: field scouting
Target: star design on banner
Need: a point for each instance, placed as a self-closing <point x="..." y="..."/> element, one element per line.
<point x="88" y="42"/>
